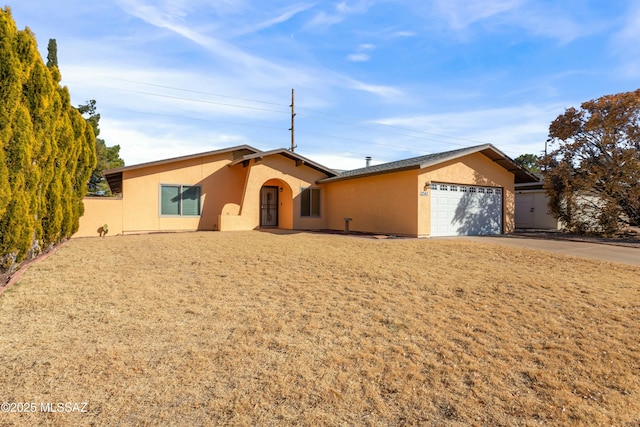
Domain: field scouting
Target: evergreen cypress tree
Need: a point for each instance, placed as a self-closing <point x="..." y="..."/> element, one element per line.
<point x="17" y="224"/>
<point x="47" y="149"/>
<point x="52" y="53"/>
<point x="10" y="90"/>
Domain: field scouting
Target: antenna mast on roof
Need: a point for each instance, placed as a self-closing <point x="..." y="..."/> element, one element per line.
<point x="293" y="115"/>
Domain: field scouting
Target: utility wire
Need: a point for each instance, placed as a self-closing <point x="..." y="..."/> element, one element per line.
<point x="195" y="118"/>
<point x="377" y="129"/>
<point x="180" y="89"/>
<point x="178" y="98"/>
<point x="282" y="105"/>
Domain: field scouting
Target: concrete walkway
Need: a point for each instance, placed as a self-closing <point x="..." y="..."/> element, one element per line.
<point x="620" y="254"/>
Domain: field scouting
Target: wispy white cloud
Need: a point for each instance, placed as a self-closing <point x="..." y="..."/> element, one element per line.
<point x="555" y="20"/>
<point x="229" y="7"/>
<point x="339" y="13"/>
<point x="153" y="141"/>
<point x="404" y="34"/>
<point x="254" y="68"/>
<point x="361" y="54"/>
<point x="518" y="129"/>
<point x="359" y="57"/>
<point x="538" y="62"/>
<point x="463" y="13"/>
<point x="218" y="47"/>
<point x="625" y="43"/>
<point x="324" y="19"/>
<point x="281" y="17"/>
<point x="384" y="91"/>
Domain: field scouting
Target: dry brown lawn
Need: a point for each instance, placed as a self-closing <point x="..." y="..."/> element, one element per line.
<point x="254" y="328"/>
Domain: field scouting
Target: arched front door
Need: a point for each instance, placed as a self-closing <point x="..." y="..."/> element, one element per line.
<point x="269" y="206"/>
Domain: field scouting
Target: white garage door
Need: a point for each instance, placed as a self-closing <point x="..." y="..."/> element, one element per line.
<point x="463" y="210"/>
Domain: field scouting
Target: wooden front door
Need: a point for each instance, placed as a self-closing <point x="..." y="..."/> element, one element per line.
<point x="269" y="206"/>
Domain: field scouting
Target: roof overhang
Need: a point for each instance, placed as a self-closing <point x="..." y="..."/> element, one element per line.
<point x="114" y="176"/>
<point x="521" y="175"/>
<point x="525" y="186"/>
<point x="298" y="159"/>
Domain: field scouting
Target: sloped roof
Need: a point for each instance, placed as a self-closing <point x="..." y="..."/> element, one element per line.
<point x="114" y="176"/>
<point x="421" y="162"/>
<point x="300" y="160"/>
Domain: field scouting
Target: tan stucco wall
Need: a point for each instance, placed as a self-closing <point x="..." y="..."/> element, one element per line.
<point x="474" y="169"/>
<point x="230" y="196"/>
<point x="220" y="186"/>
<point x="385" y="203"/>
<point x="282" y="172"/>
<point x="99" y="211"/>
<point x="395" y="203"/>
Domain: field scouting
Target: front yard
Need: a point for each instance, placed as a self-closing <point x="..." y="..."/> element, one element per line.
<point x="252" y="328"/>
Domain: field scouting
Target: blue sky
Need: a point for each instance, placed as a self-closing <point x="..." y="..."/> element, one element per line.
<point x="389" y="79"/>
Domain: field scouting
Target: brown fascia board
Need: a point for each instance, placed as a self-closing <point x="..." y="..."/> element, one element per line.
<point x="537" y="186"/>
<point x="180" y="159"/>
<point x="366" y="174"/>
<point x="421" y="162"/>
<point x="521" y="175"/>
<point x="114" y="176"/>
<point x="300" y="160"/>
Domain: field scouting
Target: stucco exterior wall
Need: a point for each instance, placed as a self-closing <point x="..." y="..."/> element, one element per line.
<point x="230" y="196"/>
<point x="220" y="186"/>
<point x="392" y="203"/>
<point x="400" y="203"/>
<point x="282" y="172"/>
<point x="99" y="211"/>
<point x="385" y="203"/>
<point x="474" y="169"/>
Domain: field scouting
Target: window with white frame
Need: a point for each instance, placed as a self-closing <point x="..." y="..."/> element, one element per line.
<point x="180" y="200"/>
<point x="310" y="202"/>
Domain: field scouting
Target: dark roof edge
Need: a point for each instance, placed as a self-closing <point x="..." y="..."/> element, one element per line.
<point x="521" y="174"/>
<point x="421" y="162"/>
<point x="406" y="164"/>
<point x="287" y="153"/>
<point x="366" y="174"/>
<point x="180" y="159"/>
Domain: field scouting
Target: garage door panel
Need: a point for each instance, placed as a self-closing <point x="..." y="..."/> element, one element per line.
<point x="472" y="210"/>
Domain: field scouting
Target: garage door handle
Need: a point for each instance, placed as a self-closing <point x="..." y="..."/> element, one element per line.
<point x="531" y="210"/>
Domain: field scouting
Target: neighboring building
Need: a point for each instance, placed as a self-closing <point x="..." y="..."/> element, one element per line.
<point x="532" y="208"/>
<point x="469" y="191"/>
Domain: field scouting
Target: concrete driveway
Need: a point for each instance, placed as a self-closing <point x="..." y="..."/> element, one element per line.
<point x="620" y="254"/>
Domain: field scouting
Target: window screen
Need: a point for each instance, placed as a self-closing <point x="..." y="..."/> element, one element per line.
<point x="180" y="200"/>
<point x="170" y="200"/>
<point x="190" y="200"/>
